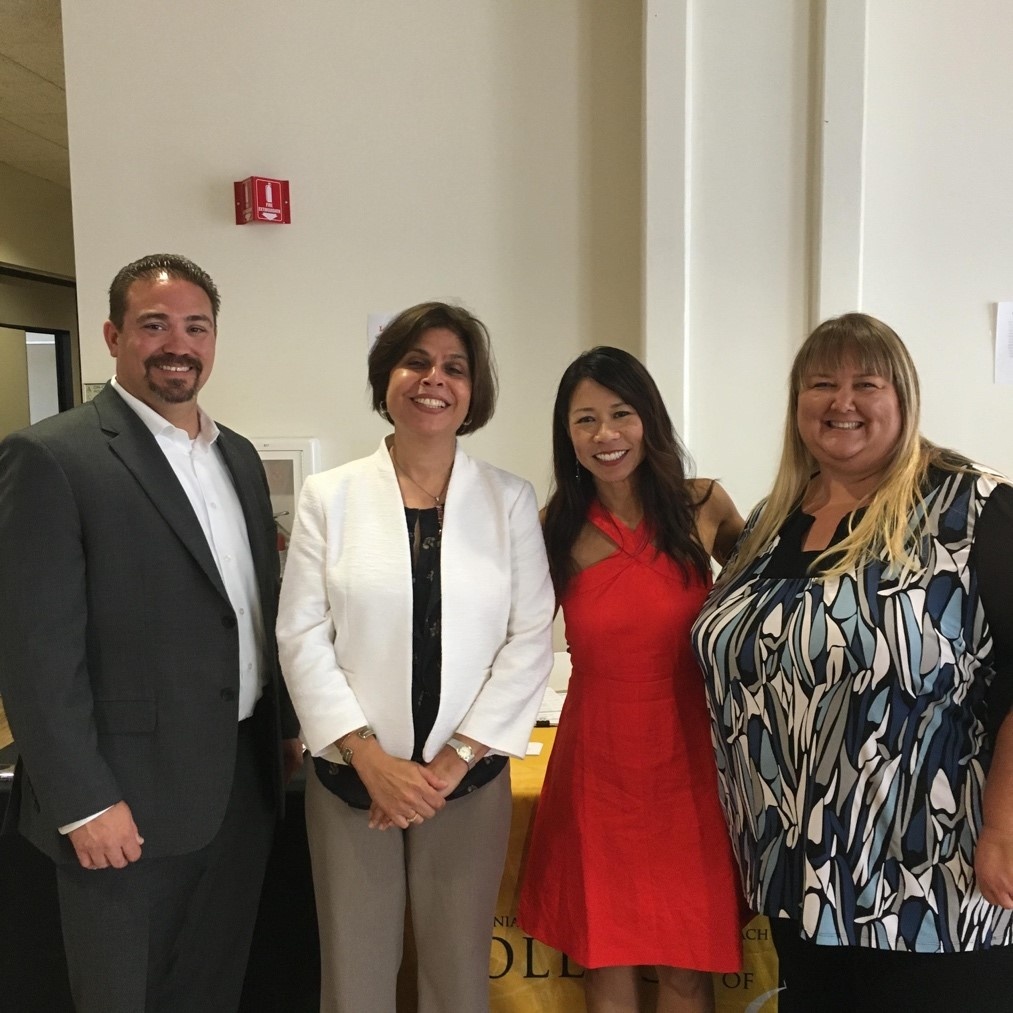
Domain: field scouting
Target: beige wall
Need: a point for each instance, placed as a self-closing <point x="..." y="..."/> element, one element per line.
<point x="35" y="224"/>
<point x="35" y="234"/>
<point x="14" y="413"/>
<point x="470" y="150"/>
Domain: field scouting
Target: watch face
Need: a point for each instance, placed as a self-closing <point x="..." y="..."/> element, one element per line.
<point x="466" y="753"/>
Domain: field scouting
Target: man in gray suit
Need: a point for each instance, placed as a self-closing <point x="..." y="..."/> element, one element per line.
<point x="138" y="667"/>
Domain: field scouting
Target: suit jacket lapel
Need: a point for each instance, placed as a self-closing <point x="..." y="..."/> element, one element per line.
<point x="131" y="441"/>
<point x="251" y="491"/>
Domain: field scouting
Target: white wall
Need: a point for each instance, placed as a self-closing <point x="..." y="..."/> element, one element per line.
<point x="471" y="150"/>
<point x="938" y="220"/>
<point x="43" y="394"/>
<point x="491" y="151"/>
<point x="827" y="155"/>
<point x="748" y="254"/>
<point x="728" y="111"/>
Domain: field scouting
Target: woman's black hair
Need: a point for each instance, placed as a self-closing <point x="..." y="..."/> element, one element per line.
<point x="661" y="479"/>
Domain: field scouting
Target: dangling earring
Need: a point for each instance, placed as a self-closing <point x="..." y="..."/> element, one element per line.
<point x="576" y="469"/>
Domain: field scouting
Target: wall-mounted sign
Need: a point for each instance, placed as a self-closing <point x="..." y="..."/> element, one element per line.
<point x="259" y="199"/>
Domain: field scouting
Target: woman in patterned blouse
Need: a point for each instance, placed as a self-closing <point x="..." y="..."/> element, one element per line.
<point x="858" y="654"/>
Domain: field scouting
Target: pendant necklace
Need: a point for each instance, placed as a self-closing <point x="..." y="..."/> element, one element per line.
<point x="437" y="500"/>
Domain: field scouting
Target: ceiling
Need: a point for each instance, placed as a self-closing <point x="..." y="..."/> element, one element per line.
<point x="33" y="98"/>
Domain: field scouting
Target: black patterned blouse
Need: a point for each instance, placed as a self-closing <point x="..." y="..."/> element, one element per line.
<point x="853" y="724"/>
<point x="424" y="536"/>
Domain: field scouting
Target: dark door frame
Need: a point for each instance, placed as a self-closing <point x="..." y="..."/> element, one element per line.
<point x="64" y="354"/>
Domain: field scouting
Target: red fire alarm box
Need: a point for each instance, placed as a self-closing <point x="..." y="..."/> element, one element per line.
<point x="259" y="199"/>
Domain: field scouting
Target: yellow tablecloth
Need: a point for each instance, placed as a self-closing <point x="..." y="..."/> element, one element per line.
<point x="5" y="733"/>
<point x="527" y="977"/>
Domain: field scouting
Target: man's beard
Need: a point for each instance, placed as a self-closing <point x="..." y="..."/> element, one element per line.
<point x="169" y="388"/>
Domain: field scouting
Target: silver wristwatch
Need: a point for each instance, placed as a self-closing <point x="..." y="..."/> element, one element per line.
<point x="464" y="751"/>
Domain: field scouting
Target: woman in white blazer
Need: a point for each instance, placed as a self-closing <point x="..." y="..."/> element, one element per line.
<point x="415" y="638"/>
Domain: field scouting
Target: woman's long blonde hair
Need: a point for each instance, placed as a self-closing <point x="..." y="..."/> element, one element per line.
<point x="886" y="530"/>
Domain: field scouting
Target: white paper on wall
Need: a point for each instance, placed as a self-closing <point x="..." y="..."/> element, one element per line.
<point x="1004" y="342"/>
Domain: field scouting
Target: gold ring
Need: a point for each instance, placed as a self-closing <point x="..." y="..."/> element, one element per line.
<point x="412" y="818"/>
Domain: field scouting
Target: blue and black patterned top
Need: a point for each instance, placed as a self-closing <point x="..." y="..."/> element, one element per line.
<point x="853" y="722"/>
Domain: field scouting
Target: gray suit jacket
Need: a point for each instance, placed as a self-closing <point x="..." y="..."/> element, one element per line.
<point x="119" y="653"/>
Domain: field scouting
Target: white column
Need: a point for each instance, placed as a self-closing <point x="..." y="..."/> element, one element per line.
<point x="666" y="200"/>
<point x="838" y="246"/>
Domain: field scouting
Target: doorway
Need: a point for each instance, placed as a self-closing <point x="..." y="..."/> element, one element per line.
<point x="38" y="347"/>
<point x="36" y="375"/>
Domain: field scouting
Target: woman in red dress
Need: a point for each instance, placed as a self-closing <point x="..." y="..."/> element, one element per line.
<point x="629" y="862"/>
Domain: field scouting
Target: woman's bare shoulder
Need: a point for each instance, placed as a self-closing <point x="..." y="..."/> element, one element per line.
<point x="719" y="522"/>
<point x="709" y="494"/>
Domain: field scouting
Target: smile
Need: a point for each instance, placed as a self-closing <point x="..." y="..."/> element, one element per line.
<point x="844" y="425"/>
<point x="174" y="364"/>
<point x="608" y="456"/>
<point x="430" y="402"/>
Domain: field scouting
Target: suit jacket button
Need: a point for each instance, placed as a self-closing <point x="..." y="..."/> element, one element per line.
<point x="228" y="622"/>
<point x="228" y="695"/>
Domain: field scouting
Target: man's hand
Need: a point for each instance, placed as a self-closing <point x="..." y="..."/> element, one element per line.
<point x="291" y="758"/>
<point x="109" y="840"/>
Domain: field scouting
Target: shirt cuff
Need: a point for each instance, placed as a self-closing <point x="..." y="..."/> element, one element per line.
<point x="80" y="823"/>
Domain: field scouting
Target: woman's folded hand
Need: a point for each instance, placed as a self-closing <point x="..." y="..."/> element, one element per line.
<point x="403" y="792"/>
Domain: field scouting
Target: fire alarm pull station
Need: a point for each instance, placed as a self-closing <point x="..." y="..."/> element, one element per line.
<point x="259" y="199"/>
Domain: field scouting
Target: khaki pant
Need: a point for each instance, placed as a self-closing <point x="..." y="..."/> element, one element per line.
<point x="448" y="869"/>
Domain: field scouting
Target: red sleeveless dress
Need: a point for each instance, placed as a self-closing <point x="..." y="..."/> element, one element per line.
<point x="629" y="860"/>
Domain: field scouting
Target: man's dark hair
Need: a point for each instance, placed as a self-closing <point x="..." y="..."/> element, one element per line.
<point x="155" y="264"/>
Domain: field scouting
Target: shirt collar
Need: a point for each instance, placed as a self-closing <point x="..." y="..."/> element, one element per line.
<point x="160" y="426"/>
